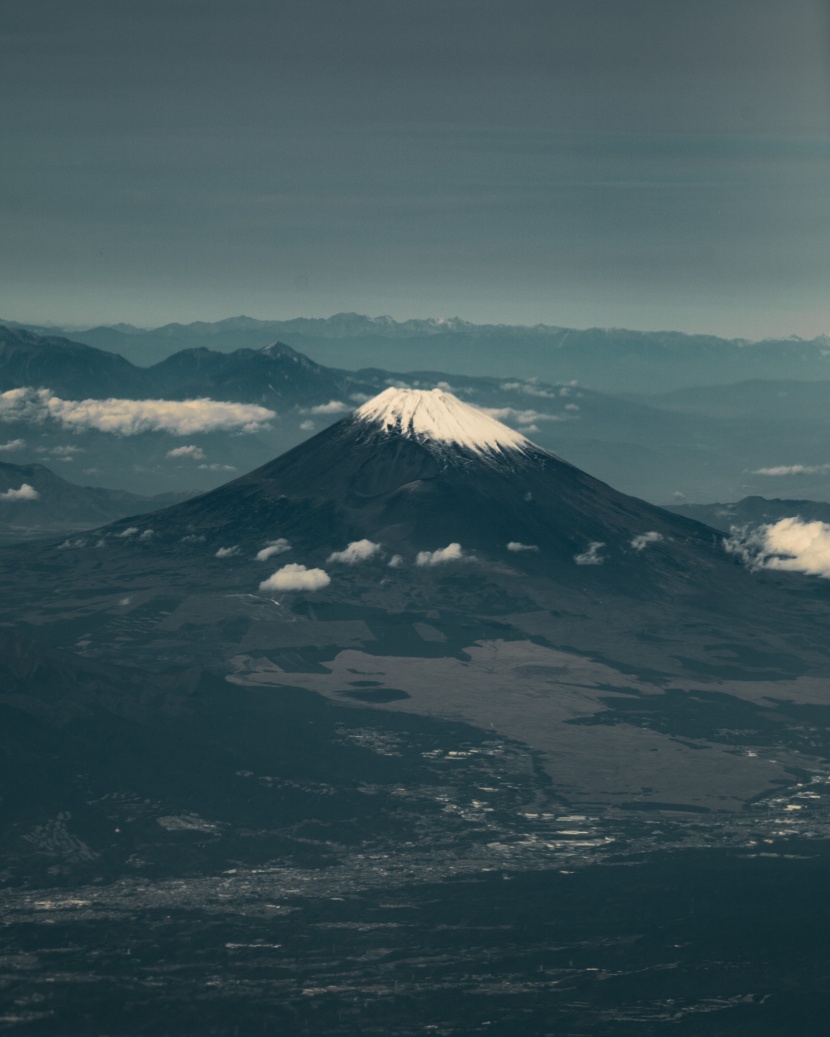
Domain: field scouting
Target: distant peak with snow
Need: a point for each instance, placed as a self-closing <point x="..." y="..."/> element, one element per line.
<point x="433" y="415"/>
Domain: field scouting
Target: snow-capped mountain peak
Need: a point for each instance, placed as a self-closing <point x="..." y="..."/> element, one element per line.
<point x="438" y="416"/>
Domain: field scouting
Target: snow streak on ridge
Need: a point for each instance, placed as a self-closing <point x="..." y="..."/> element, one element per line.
<point x="432" y="414"/>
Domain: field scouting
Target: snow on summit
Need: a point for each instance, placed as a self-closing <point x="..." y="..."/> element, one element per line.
<point x="433" y="414"/>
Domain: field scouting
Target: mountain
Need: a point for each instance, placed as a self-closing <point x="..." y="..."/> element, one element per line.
<point x="34" y="501"/>
<point x="448" y="509"/>
<point x="275" y="375"/>
<point x="418" y="469"/>
<point x="610" y="359"/>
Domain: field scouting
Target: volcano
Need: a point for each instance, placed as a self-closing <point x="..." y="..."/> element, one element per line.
<point x="417" y="470"/>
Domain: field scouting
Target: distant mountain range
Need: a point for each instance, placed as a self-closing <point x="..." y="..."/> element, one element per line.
<point x="753" y="511"/>
<point x="611" y="359"/>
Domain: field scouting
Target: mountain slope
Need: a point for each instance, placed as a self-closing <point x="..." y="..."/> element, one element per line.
<point x="66" y="367"/>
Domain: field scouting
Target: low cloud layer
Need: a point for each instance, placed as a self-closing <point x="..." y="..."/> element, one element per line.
<point x="592" y="556"/>
<point x="450" y="553"/>
<point x="13" y="444"/>
<point x="295" y="578"/>
<point x="357" y="551"/>
<point x="789" y="544"/>
<point x="641" y="542"/>
<point x="24" y="492"/>
<point x="132" y="417"/>
<point x="516" y="545"/>
<point x="275" y="547"/>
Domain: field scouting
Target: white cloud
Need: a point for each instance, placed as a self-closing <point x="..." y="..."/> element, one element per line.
<point x="274" y="547"/>
<point x="396" y="561"/>
<point x="130" y="531"/>
<point x="13" y="444"/>
<point x="332" y="407"/>
<point x="227" y="552"/>
<point x="514" y="545"/>
<point x="789" y="544"/>
<point x="357" y="551"/>
<point x="794" y="469"/>
<point x="592" y="555"/>
<point x="22" y="493"/>
<point x="296" y="578"/>
<point x="450" y="553"/>
<point x="195" y="453"/>
<point x="148" y="534"/>
<point x="642" y="540"/>
<point x="192" y="538"/>
<point x="218" y="467"/>
<point x="131" y="417"/>
<point x="307" y="426"/>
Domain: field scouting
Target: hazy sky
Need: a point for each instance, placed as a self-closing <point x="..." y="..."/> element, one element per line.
<point x="639" y="163"/>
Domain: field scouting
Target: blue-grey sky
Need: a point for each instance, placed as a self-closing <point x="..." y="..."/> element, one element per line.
<point x="638" y="163"/>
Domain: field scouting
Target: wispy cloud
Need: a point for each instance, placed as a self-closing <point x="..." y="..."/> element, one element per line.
<point x="515" y="545"/>
<point x="13" y="444"/>
<point x="132" y="417"/>
<point x="592" y="556"/>
<point x="24" y="492"/>
<point x="450" y="553"/>
<point x="789" y="544"/>
<point x="794" y="469"/>
<point x="357" y="551"/>
<point x="524" y="417"/>
<point x="296" y="578"/>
